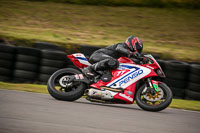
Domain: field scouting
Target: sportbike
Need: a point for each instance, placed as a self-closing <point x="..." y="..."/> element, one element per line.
<point x="128" y="83"/>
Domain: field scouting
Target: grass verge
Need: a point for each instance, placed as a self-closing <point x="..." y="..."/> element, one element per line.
<point x="24" y="87"/>
<point x="171" y="32"/>
<point x="176" y="103"/>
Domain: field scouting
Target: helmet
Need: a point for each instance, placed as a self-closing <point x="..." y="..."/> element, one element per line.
<point x="134" y="44"/>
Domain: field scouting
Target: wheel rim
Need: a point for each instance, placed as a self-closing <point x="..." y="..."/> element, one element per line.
<point x="157" y="96"/>
<point x="154" y="100"/>
<point x="61" y="83"/>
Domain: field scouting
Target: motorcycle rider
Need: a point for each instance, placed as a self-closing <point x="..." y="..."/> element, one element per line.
<point x="106" y="58"/>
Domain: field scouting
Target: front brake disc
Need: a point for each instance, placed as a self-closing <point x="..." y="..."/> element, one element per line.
<point x="157" y="96"/>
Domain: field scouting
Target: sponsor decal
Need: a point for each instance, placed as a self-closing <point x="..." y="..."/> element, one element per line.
<point x="81" y="76"/>
<point x="93" y="86"/>
<point x="155" y="85"/>
<point x="79" y="54"/>
<point x="129" y="92"/>
<point x="125" y="96"/>
<point x="123" y="66"/>
<point x="82" y="58"/>
<point x="150" y="67"/>
<point x="76" y="76"/>
<point x="120" y="73"/>
<point x="130" y="77"/>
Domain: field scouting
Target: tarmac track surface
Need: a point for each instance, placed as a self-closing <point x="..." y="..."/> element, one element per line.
<point x="25" y="112"/>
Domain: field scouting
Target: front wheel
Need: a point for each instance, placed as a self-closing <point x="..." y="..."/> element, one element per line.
<point x="61" y="88"/>
<point x="156" y="102"/>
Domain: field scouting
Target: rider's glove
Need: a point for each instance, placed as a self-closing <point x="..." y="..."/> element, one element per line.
<point x="145" y="60"/>
<point x="134" y="54"/>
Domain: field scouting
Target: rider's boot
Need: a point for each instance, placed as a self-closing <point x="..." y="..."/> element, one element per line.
<point x="99" y="67"/>
<point x="89" y="72"/>
<point x="94" y="69"/>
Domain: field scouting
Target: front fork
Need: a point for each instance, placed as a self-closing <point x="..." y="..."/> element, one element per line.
<point x="151" y="86"/>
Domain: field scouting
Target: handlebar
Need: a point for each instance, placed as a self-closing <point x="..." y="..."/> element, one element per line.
<point x="141" y="60"/>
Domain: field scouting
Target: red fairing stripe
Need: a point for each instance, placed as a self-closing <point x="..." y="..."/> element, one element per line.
<point x="76" y="61"/>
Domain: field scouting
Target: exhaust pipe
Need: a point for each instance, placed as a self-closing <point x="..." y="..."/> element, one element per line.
<point x="99" y="94"/>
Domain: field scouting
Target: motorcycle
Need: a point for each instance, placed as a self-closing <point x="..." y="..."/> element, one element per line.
<point x="128" y="83"/>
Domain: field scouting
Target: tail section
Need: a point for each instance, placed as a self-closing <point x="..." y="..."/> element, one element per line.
<point x="79" y="60"/>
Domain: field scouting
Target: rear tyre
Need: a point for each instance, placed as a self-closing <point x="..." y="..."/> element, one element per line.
<point x="71" y="93"/>
<point x="158" y="105"/>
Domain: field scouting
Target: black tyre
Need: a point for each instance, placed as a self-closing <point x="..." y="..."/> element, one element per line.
<point x="192" y="95"/>
<point x="25" y="74"/>
<point x="195" y="68"/>
<point x="5" y="78"/>
<point x="67" y="94"/>
<point x="52" y="63"/>
<point x="194" y="78"/>
<point x="27" y="58"/>
<point x="2" y="42"/>
<point x="26" y="66"/>
<point x="28" y="51"/>
<point x="44" y="78"/>
<point x="5" y="72"/>
<point x="53" y="55"/>
<point x="194" y="87"/>
<point x="6" y="63"/>
<point x="6" y="56"/>
<point x="176" y="65"/>
<point x="22" y="80"/>
<point x="176" y="83"/>
<point x="178" y="92"/>
<point x="148" y="102"/>
<point x="180" y="75"/>
<point x="48" y="70"/>
<point x="7" y="48"/>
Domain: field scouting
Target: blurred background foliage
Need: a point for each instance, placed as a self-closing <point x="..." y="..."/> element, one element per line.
<point x="145" y="3"/>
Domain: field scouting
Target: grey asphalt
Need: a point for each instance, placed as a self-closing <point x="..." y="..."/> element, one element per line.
<point x="26" y="112"/>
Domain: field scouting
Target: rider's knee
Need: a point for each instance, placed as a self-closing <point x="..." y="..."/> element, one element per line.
<point x="113" y="63"/>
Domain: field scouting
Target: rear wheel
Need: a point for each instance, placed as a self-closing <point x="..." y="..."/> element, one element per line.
<point x="157" y="102"/>
<point x="61" y="88"/>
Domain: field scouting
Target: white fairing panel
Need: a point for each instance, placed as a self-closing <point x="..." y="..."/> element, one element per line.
<point x="81" y="58"/>
<point x="136" y="73"/>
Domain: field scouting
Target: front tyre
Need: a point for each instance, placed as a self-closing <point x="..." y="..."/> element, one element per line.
<point x="61" y="89"/>
<point x="157" y="102"/>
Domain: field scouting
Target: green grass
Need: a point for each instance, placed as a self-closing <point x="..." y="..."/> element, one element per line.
<point x="24" y="87"/>
<point x="176" y="103"/>
<point x="167" y="31"/>
<point x="185" y="104"/>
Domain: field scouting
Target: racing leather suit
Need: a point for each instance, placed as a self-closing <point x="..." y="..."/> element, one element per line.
<point x="106" y="58"/>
